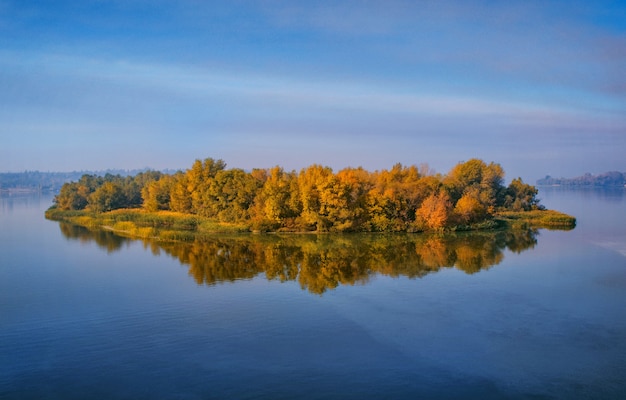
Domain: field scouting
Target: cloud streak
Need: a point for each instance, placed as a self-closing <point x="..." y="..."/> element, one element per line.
<point x="197" y="83"/>
<point x="341" y="82"/>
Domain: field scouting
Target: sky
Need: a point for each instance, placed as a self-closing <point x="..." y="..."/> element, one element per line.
<point x="536" y="86"/>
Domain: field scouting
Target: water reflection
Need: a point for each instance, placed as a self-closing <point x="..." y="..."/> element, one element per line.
<point x="104" y="239"/>
<point x="322" y="262"/>
<point x="604" y="193"/>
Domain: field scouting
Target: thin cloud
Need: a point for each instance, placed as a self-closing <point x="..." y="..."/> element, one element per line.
<point x="273" y="94"/>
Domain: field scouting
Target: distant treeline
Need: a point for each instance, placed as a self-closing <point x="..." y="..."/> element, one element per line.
<point x="51" y="181"/>
<point x="612" y="178"/>
<point x="315" y="199"/>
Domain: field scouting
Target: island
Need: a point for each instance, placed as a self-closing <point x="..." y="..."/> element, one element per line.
<point x="608" y="179"/>
<point x="208" y="198"/>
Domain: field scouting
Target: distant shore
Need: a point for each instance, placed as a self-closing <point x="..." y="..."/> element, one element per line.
<point x="24" y="190"/>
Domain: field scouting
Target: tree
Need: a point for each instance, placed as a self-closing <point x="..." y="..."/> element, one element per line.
<point x="476" y="174"/>
<point x="75" y="195"/>
<point x="435" y="210"/>
<point x="180" y="197"/>
<point x="107" y="197"/>
<point x="230" y="195"/>
<point x="156" y="194"/>
<point x="133" y="186"/>
<point x="71" y="197"/>
<point x="520" y="196"/>
<point x="312" y="181"/>
<point x="349" y="211"/>
<point x="274" y="203"/>
<point x="394" y="198"/>
<point x="403" y="198"/>
<point x="470" y="208"/>
<point x="199" y="179"/>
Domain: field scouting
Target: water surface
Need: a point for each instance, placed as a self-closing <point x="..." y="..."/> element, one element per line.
<point x="537" y="315"/>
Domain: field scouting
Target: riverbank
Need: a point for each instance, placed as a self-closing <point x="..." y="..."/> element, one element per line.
<point x="172" y="226"/>
<point x="548" y="219"/>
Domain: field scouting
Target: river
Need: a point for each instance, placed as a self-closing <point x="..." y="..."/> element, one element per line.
<point x="534" y="315"/>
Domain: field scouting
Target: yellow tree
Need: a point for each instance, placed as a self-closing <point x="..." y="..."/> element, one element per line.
<point x="199" y="179"/>
<point x="312" y="181"/>
<point x="394" y="198"/>
<point x="273" y="203"/>
<point x="470" y="208"/>
<point x="180" y="197"/>
<point x="156" y="194"/>
<point x="349" y="212"/>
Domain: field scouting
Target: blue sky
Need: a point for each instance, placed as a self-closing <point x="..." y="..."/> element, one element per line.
<point x="537" y="86"/>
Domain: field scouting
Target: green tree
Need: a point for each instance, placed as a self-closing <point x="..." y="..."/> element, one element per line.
<point x="75" y="195"/>
<point x="199" y="180"/>
<point x="520" y="196"/>
<point x="133" y="186"/>
<point x="230" y="195"/>
<point x="156" y="194"/>
<point x="71" y="198"/>
<point x="107" y="197"/>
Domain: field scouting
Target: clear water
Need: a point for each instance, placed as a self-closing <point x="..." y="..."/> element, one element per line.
<point x="86" y="315"/>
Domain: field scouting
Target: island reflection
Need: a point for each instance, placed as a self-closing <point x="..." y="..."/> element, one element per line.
<point x="323" y="262"/>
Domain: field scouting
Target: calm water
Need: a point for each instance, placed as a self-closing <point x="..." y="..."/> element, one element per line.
<point x="540" y="315"/>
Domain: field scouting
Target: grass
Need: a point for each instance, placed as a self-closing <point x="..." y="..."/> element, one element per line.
<point x="548" y="219"/>
<point x="172" y="226"/>
<point x="162" y="225"/>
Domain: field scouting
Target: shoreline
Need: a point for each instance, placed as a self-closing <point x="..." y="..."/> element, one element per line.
<point x="168" y="226"/>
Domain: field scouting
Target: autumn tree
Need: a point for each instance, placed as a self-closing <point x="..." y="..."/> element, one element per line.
<point x="133" y="186"/>
<point x="75" y="195"/>
<point x="487" y="178"/>
<point x="349" y="201"/>
<point x="478" y="185"/>
<point x="435" y="211"/>
<point x="180" y="197"/>
<point x="471" y="208"/>
<point x="312" y="182"/>
<point x="230" y="195"/>
<point x="394" y="198"/>
<point x="520" y="196"/>
<point x="199" y="180"/>
<point x="156" y="194"/>
<point x="71" y="198"/>
<point x="274" y="204"/>
<point x="109" y="196"/>
<point x="403" y="198"/>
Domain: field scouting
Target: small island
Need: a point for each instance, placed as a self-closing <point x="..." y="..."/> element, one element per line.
<point x="209" y="198"/>
<point x="611" y="179"/>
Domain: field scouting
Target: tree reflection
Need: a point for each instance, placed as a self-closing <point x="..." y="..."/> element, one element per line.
<point x="104" y="239"/>
<point x="322" y="262"/>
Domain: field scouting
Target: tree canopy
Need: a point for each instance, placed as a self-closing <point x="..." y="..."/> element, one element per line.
<point x="401" y="199"/>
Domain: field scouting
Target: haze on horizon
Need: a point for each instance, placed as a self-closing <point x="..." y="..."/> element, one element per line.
<point x="539" y="87"/>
